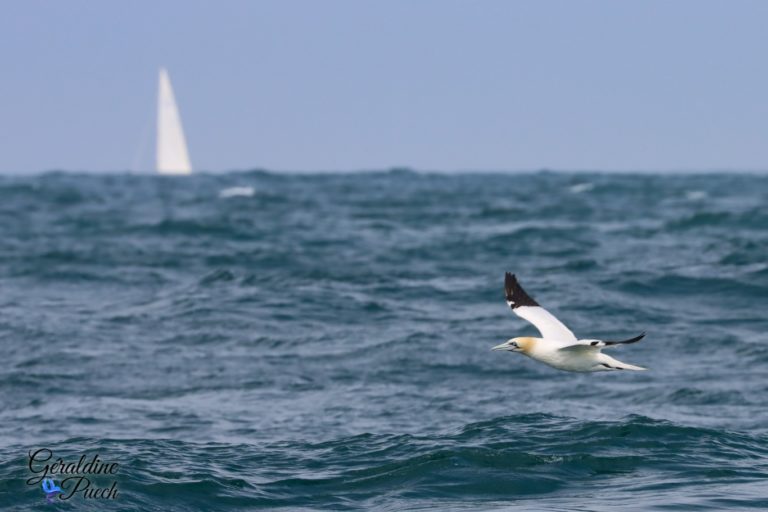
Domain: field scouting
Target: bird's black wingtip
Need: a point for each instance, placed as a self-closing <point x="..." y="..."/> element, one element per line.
<point x="509" y="285"/>
<point x="626" y="342"/>
<point x="514" y="293"/>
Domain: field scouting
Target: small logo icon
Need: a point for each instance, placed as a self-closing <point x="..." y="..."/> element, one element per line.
<point x="50" y="489"/>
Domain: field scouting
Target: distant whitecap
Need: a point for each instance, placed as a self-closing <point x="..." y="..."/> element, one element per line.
<point x="695" y="195"/>
<point x="578" y="188"/>
<point x="237" y="192"/>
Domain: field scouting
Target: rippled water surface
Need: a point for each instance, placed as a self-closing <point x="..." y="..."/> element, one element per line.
<point x="324" y="342"/>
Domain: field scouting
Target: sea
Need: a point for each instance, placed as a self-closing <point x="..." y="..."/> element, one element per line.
<point x="265" y="341"/>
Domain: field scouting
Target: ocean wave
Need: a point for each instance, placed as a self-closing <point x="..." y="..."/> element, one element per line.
<point x="681" y="285"/>
<point x="752" y="219"/>
<point x="520" y="457"/>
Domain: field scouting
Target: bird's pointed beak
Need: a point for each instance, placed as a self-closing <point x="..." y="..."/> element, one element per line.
<point x="503" y="346"/>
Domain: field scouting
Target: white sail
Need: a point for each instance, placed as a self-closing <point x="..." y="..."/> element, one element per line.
<point x="172" y="155"/>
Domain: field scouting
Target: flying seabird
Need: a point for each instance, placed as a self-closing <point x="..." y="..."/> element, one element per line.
<point x="557" y="347"/>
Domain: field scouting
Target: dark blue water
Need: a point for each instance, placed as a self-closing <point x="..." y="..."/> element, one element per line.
<point x="324" y="343"/>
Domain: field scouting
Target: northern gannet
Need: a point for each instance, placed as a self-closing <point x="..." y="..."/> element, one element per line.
<point x="557" y="347"/>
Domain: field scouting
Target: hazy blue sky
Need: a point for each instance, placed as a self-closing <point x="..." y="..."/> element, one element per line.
<point x="439" y="85"/>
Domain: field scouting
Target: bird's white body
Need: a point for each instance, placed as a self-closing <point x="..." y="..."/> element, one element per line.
<point x="578" y="357"/>
<point x="558" y="347"/>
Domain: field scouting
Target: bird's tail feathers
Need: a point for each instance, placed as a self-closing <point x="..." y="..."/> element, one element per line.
<point x="614" y="364"/>
<point x="626" y="366"/>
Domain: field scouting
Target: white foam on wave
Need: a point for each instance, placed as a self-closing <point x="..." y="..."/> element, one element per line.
<point x="578" y="188"/>
<point x="695" y="195"/>
<point x="237" y="192"/>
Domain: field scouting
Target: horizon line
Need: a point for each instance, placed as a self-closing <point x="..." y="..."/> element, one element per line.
<point x="408" y="169"/>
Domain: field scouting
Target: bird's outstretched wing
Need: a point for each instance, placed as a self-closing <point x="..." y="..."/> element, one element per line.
<point x="528" y="309"/>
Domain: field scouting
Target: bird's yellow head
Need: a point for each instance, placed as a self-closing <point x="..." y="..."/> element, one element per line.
<point x="523" y="344"/>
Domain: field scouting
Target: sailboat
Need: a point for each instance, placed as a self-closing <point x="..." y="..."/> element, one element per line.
<point x="172" y="155"/>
